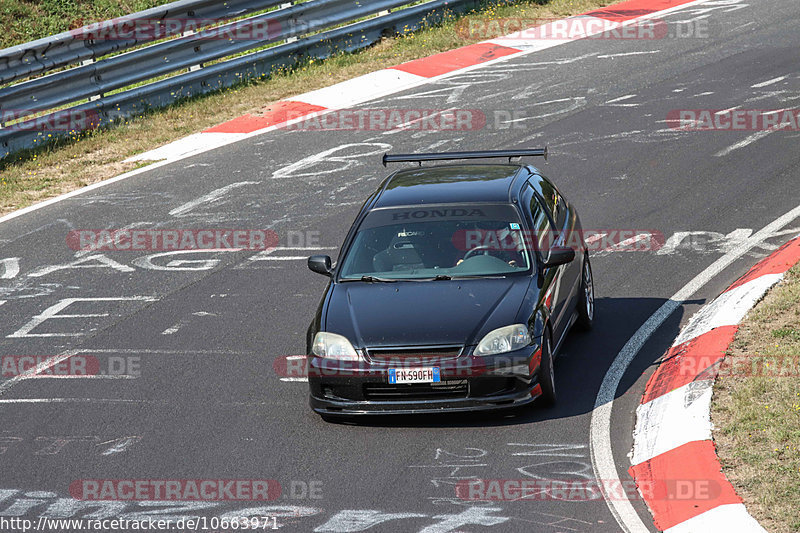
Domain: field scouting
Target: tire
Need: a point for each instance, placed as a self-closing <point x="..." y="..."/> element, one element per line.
<point x="546" y="374"/>
<point x="586" y="299"/>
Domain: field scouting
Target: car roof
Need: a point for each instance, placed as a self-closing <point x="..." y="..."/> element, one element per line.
<point x="445" y="184"/>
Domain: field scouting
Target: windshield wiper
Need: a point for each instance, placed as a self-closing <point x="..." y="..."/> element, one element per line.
<point x="371" y="279"/>
<point x="476" y="276"/>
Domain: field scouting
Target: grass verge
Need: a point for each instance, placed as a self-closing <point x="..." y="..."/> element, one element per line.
<point x="757" y="417"/>
<point x="28" y="20"/>
<point x="46" y="172"/>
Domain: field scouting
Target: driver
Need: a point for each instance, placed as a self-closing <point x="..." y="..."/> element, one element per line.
<point x="502" y="243"/>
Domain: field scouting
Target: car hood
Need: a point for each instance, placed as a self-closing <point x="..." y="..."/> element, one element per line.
<point x="423" y="313"/>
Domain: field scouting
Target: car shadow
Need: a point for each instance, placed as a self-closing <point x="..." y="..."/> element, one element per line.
<point x="580" y="368"/>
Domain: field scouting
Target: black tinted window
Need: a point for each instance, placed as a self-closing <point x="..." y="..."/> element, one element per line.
<point x="422" y="242"/>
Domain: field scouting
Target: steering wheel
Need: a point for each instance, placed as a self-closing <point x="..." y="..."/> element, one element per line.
<point x="486" y="251"/>
<point x="477" y="250"/>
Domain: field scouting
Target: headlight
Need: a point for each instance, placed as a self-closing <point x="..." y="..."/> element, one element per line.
<point x="333" y="346"/>
<point x="504" y="340"/>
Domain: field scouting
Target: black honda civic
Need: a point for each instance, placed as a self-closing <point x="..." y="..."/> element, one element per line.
<point x="454" y="289"/>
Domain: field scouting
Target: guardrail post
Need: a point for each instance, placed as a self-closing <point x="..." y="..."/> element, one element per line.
<point x="96" y="96"/>
<point x="295" y="37"/>
<point x="192" y="68"/>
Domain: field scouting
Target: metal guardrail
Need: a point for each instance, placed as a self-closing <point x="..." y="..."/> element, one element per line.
<point x="190" y="51"/>
<point x="71" y="47"/>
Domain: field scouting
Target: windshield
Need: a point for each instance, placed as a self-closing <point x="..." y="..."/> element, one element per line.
<point x="426" y="242"/>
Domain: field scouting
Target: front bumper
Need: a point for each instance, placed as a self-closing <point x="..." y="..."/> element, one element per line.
<point x="467" y="384"/>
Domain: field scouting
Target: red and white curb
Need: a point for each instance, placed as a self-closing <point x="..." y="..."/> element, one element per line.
<point x="406" y="76"/>
<point x="672" y="440"/>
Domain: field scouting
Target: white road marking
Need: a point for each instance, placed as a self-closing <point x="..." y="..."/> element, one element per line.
<point x="770" y="94"/>
<point x="600" y="429"/>
<point x="266" y="255"/>
<point x="726" y="111"/>
<point x="173" y="329"/>
<point x="80" y="400"/>
<point x="576" y="103"/>
<point x="596" y="237"/>
<point x="621" y="98"/>
<point x="100" y="260"/>
<point x="625" y="54"/>
<point x="345" y="161"/>
<point x="532" y="66"/>
<point x="10" y="267"/>
<point x="77" y="376"/>
<point x="3" y="301"/>
<point x="7" y="385"/>
<point x="401" y="128"/>
<point x="633" y="240"/>
<point x="119" y="445"/>
<point x="768" y="82"/>
<point x="286" y="258"/>
<point x="704" y="241"/>
<point x="52" y="313"/>
<point x="296" y="358"/>
<point x="187" y="264"/>
<point x="166" y="352"/>
<point x="130" y="401"/>
<point x="211" y="197"/>
<point x="747" y="141"/>
<point x="135" y="225"/>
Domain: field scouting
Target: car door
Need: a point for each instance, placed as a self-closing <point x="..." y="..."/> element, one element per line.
<point x="564" y="220"/>
<point x="551" y="224"/>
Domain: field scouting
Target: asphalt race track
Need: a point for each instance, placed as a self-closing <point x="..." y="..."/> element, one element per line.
<point x="198" y="333"/>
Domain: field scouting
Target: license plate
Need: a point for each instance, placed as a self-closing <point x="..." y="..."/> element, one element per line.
<point x="414" y="375"/>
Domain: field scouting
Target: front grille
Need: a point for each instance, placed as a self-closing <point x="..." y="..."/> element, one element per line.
<point x="451" y="388"/>
<point x="415" y="354"/>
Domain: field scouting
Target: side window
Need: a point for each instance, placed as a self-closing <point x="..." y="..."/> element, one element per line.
<point x="554" y="203"/>
<point x="543" y="233"/>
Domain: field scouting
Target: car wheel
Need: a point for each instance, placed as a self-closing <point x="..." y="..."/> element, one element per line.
<point x="586" y="300"/>
<point x="547" y="379"/>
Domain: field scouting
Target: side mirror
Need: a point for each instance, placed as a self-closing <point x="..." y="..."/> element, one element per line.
<point x="559" y="256"/>
<point x="321" y="264"/>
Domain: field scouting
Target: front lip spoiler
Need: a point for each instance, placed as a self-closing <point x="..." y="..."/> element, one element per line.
<point x="414" y="407"/>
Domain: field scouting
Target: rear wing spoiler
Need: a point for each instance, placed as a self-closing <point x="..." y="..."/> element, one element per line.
<point x="450" y="156"/>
